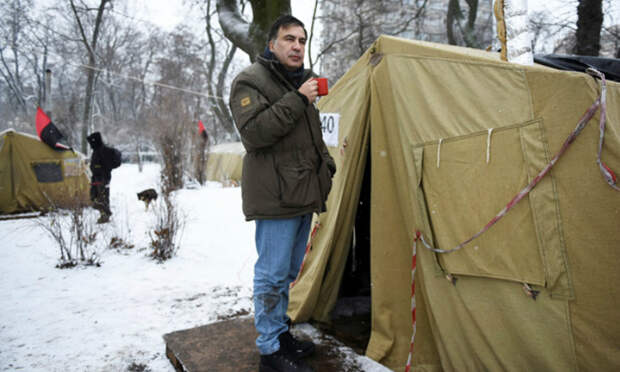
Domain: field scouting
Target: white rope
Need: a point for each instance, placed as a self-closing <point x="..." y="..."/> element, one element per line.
<point x="489" y="144"/>
<point x="127" y="77"/>
<point x="439" y="152"/>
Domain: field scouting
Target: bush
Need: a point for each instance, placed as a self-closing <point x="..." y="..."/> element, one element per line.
<point x="168" y="229"/>
<point x="74" y="233"/>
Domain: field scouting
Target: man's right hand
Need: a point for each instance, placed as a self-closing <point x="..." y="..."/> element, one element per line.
<point x="310" y="89"/>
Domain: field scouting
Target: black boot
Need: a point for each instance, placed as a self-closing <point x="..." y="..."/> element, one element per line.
<point x="103" y="218"/>
<point x="281" y="361"/>
<point x="297" y="348"/>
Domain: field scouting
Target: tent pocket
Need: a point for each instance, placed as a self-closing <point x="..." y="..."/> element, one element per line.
<point x="463" y="192"/>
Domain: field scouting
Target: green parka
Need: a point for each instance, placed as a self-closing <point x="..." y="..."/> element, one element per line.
<point x="287" y="169"/>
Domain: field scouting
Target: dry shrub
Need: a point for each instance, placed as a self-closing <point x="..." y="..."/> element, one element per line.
<point x="201" y="155"/>
<point x="73" y="231"/>
<point x="168" y="229"/>
<point x="171" y="131"/>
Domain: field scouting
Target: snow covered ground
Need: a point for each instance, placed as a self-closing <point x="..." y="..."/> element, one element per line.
<point x="113" y="317"/>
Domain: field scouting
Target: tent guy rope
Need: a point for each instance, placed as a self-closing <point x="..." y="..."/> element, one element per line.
<point x="489" y="145"/>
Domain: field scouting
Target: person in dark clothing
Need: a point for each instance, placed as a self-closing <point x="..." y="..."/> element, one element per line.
<point x="102" y="161"/>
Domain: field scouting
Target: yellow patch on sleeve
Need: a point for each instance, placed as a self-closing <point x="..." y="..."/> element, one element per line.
<point x="245" y="101"/>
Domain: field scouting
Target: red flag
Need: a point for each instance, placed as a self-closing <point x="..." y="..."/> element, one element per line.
<point x="42" y="121"/>
<point x="201" y="130"/>
<point x="47" y="131"/>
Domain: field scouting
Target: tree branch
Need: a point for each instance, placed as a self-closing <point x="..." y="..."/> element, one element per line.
<point x="316" y="5"/>
<point x="234" y="26"/>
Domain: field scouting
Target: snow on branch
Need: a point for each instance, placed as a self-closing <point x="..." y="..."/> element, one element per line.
<point x="234" y="26"/>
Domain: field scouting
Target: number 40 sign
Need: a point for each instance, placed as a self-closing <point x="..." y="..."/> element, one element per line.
<point x="329" y="126"/>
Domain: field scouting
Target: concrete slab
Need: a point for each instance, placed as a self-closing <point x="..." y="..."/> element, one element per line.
<point x="229" y="346"/>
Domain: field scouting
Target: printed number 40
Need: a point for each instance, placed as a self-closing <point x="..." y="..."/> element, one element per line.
<point x="327" y="124"/>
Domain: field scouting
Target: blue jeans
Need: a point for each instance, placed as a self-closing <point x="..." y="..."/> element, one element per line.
<point x="281" y="244"/>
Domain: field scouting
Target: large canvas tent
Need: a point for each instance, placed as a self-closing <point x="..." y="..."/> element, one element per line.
<point x="34" y="177"/>
<point x="452" y="135"/>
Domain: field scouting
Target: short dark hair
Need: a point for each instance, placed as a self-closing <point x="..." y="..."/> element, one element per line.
<point x="285" y="21"/>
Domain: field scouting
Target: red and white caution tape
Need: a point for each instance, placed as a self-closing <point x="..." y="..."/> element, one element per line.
<point x="343" y="148"/>
<point x="413" y="266"/>
<point x="609" y="176"/>
<point x="317" y="225"/>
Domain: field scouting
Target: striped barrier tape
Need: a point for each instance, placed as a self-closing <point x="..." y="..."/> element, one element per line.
<point x="317" y="225"/>
<point x="413" y="267"/>
<point x="608" y="174"/>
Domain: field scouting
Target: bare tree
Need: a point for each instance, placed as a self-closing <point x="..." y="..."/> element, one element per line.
<point x="351" y="26"/>
<point x="316" y="6"/>
<point x="469" y="30"/>
<point x="610" y="37"/>
<point x="215" y="87"/>
<point x="13" y="24"/>
<point x="610" y="41"/>
<point x="251" y="37"/>
<point x="172" y="114"/>
<point x="91" y="47"/>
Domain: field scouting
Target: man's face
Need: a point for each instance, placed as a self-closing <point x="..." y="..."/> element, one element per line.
<point x="290" y="46"/>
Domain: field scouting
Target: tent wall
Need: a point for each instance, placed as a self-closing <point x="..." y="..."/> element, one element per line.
<point x="224" y="165"/>
<point x="22" y="189"/>
<point x="433" y="114"/>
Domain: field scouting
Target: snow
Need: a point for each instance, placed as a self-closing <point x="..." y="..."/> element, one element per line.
<point x="109" y="317"/>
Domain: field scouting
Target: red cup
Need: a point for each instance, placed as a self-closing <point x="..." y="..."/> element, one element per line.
<point x="322" y="83"/>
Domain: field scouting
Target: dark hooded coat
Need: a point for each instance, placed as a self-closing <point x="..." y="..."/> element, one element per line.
<point x="102" y="161"/>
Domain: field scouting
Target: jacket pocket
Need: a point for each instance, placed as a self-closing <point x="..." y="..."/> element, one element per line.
<point x="297" y="184"/>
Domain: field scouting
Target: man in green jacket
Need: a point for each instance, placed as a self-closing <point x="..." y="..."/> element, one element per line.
<point x="287" y="174"/>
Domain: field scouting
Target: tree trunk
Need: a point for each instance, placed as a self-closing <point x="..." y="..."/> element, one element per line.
<point x="90" y="47"/>
<point x="454" y="14"/>
<point x="469" y="36"/>
<point x="250" y="37"/>
<point x="216" y="89"/>
<point x="589" y="22"/>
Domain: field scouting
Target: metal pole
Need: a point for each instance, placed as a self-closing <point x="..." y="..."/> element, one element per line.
<point x="48" y="92"/>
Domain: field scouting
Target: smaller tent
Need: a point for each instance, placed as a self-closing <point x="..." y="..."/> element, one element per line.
<point x="35" y="177"/>
<point x="225" y="162"/>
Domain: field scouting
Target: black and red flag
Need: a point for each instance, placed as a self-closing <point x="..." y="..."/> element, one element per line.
<point x="202" y="131"/>
<point x="48" y="132"/>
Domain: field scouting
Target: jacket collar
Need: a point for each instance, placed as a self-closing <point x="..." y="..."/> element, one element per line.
<point x="268" y="60"/>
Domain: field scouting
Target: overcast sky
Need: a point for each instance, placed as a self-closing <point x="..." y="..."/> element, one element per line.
<point x="168" y="13"/>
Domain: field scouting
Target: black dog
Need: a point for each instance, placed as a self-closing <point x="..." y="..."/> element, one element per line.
<point x="147" y="196"/>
